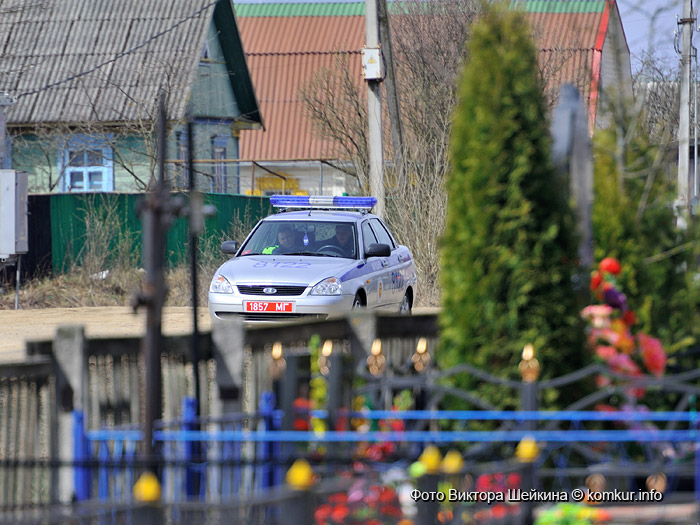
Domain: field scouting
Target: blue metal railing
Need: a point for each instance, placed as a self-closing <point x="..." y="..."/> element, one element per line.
<point x="221" y="459"/>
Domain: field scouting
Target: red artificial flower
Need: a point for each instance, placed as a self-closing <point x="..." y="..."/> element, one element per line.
<point x="600" y="407"/>
<point x="499" y="511"/>
<point x="391" y="511"/>
<point x="610" y="265"/>
<point x="653" y="355"/>
<point x="322" y="513"/>
<point x="596" y="281"/>
<point x="483" y="483"/>
<point x="388" y="495"/>
<point x="340" y="498"/>
<point x="513" y="480"/>
<point x="339" y="513"/>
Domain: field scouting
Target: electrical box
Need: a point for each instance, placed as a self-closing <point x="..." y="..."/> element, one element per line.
<point x="372" y="63"/>
<point x="13" y="213"/>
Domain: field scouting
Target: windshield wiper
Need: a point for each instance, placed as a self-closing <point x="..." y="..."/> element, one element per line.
<point x="314" y="254"/>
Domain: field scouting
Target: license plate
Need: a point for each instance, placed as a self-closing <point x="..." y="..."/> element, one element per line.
<point x="269" y="307"/>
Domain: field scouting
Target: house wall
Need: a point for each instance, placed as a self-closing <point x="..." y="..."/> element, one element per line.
<point x="616" y="68"/>
<point x="214" y="111"/>
<point x="300" y="178"/>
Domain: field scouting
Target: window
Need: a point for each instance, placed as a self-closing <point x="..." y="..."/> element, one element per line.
<point x="86" y="164"/>
<point x="206" y="54"/>
<point x="382" y="233"/>
<point x="219" y="182"/>
<point x="182" y="170"/>
<point x="368" y="236"/>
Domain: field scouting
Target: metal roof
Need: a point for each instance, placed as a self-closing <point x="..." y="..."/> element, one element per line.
<point x="294" y="8"/>
<point x="281" y="66"/>
<point x="569" y="36"/>
<point x="76" y="61"/>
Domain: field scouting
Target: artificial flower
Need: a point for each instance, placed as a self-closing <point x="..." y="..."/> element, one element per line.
<point x="610" y="265"/>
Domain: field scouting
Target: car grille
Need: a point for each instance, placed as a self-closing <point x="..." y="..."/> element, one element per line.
<point x="281" y="290"/>
<point x="250" y="316"/>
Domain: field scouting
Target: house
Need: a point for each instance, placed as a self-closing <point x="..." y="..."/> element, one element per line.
<point x="580" y="42"/>
<point x="86" y="77"/>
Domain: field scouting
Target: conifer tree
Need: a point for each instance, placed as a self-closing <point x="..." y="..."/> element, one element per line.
<point x="509" y="250"/>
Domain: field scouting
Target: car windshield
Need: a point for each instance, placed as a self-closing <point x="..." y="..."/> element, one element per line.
<point x="314" y="238"/>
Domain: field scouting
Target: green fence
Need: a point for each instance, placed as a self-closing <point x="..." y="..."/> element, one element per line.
<point x="82" y="223"/>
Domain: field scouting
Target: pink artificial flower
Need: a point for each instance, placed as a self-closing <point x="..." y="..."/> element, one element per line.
<point x="605" y="352"/>
<point x="599" y="314"/>
<point x="653" y="355"/>
<point x="623" y="363"/>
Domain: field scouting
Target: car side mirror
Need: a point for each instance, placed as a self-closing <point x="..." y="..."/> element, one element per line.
<point x="378" y="250"/>
<point x="229" y="247"/>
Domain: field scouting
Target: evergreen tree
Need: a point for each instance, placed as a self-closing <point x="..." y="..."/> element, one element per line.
<point x="509" y="250"/>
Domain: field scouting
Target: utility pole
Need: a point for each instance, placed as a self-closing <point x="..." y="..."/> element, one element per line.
<point x="683" y="199"/>
<point x="392" y="94"/>
<point x="372" y="64"/>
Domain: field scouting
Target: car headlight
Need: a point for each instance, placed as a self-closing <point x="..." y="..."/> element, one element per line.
<point x="330" y="286"/>
<point x="219" y="284"/>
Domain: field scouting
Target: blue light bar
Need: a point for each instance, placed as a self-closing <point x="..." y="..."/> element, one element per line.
<point x="322" y="201"/>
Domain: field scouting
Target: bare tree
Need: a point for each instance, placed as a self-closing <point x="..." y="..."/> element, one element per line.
<point x="429" y="43"/>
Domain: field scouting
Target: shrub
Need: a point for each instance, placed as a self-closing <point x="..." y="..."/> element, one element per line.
<point x="633" y="220"/>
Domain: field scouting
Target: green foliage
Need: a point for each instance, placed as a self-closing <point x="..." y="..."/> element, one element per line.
<point x="509" y="250"/>
<point x="633" y="220"/>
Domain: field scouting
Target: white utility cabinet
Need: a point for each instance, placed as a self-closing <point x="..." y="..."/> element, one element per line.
<point x="13" y="214"/>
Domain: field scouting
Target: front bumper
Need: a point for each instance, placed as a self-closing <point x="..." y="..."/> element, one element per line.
<point x="226" y="306"/>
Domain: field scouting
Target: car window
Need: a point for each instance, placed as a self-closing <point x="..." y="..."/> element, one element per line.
<point x="303" y="238"/>
<point x="368" y="236"/>
<point x="382" y="233"/>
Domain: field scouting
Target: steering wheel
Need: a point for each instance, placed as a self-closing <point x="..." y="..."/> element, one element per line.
<point x="333" y="249"/>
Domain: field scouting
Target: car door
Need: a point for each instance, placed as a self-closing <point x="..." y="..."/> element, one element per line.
<point x="374" y="280"/>
<point x="393" y="283"/>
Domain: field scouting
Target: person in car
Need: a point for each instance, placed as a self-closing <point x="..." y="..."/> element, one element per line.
<point x="285" y="242"/>
<point x="343" y="239"/>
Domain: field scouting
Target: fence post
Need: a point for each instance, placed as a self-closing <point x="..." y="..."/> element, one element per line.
<point x="267" y="408"/>
<point x="428" y="508"/>
<point x="363" y="331"/>
<point x="229" y="342"/>
<point x="70" y="394"/>
<point x="81" y="455"/>
<point x="529" y="369"/>
<point x="189" y="415"/>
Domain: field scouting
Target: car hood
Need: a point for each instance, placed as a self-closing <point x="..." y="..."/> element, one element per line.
<point x="287" y="269"/>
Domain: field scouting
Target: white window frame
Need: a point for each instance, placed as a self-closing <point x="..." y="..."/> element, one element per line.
<point x="85" y="143"/>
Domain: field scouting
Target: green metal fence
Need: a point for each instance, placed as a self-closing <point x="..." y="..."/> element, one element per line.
<point x="108" y="219"/>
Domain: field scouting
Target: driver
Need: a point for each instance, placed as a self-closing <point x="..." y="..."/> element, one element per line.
<point x="343" y="239"/>
<point x="285" y="241"/>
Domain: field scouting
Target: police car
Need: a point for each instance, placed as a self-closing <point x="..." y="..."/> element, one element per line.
<point x="318" y="256"/>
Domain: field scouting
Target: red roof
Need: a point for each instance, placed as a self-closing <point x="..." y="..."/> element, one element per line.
<point x="284" y="52"/>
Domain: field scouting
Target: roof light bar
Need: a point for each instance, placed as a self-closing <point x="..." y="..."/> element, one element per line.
<point x="322" y="201"/>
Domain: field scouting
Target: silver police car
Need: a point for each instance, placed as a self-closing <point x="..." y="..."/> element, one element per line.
<point x="320" y="256"/>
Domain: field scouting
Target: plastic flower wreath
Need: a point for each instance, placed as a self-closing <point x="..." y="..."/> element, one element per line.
<point x="610" y="334"/>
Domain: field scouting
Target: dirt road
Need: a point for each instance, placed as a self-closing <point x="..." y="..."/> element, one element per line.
<point x="18" y="326"/>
